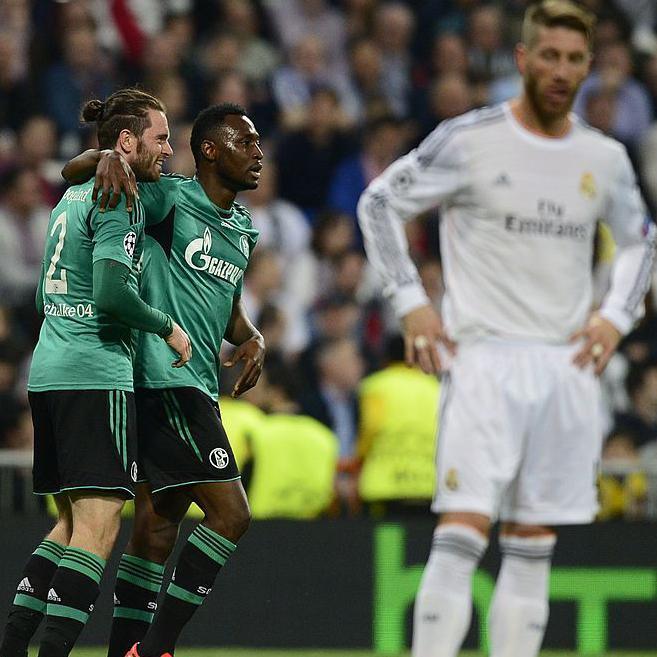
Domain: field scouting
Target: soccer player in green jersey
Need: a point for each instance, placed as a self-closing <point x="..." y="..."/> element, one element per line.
<point x="198" y="244"/>
<point x="81" y="380"/>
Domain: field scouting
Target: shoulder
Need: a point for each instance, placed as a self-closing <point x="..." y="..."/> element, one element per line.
<point x="243" y="215"/>
<point x="596" y="138"/>
<point x="167" y="182"/>
<point x="450" y="129"/>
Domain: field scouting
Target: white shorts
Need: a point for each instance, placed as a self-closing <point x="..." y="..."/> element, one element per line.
<point x="519" y="435"/>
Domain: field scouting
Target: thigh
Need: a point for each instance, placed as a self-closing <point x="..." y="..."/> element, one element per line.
<point x="556" y="483"/>
<point x="91" y="437"/>
<point x="45" y="470"/>
<point x="480" y="432"/>
<point x="182" y="440"/>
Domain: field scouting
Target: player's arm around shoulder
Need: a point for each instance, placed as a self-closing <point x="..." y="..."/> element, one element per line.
<point x="113" y="176"/>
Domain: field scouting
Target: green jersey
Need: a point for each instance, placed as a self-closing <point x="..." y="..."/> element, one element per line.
<point x="195" y="255"/>
<point x="80" y="348"/>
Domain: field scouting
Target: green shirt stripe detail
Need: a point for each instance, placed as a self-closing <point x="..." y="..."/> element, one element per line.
<point x="138" y="562"/>
<point x="139" y="581"/>
<point x="229" y="545"/>
<point x="22" y="600"/>
<point x="206" y="549"/>
<point x="133" y="614"/>
<point x="67" y="612"/>
<point x="184" y="595"/>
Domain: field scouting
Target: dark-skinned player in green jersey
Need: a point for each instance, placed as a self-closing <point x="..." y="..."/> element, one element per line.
<point x="81" y="380"/>
<point x="198" y="244"/>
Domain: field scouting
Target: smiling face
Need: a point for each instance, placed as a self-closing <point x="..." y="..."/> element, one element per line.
<point x="553" y="68"/>
<point x="152" y="148"/>
<point x="239" y="157"/>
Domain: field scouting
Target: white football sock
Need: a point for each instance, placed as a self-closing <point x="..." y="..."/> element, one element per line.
<point x="519" y="609"/>
<point x="443" y="606"/>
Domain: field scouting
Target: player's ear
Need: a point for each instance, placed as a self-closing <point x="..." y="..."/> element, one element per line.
<point x="126" y="141"/>
<point x="209" y="150"/>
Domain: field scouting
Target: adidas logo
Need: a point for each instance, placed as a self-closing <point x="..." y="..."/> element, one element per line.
<point x="502" y="180"/>
<point x="117" y="602"/>
<point x="53" y="597"/>
<point x="25" y="586"/>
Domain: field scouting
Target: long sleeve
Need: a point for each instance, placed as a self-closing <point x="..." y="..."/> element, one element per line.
<point x="422" y="179"/>
<point x="114" y="296"/>
<point x="635" y="237"/>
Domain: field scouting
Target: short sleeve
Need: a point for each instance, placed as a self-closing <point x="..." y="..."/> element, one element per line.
<point x="159" y="197"/>
<point x="114" y="236"/>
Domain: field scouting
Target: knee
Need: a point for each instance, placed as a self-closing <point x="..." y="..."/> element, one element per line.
<point x="153" y="538"/>
<point x="230" y="522"/>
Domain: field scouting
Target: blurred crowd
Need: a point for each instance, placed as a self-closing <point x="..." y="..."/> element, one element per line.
<point x="338" y="89"/>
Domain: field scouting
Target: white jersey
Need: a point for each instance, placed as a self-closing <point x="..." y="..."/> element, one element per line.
<point x="519" y="215"/>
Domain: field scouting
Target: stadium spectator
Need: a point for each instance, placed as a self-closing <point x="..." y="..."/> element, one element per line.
<point x="284" y="229"/>
<point x="383" y="140"/>
<point x="489" y="56"/>
<point x="307" y="157"/>
<point x="368" y="96"/>
<point x="394" y="24"/>
<point x="37" y="150"/>
<point x="614" y="75"/>
<point x="396" y="436"/>
<point x="623" y="485"/>
<point x="258" y="58"/>
<point x="182" y="160"/>
<point x="16" y="97"/>
<point x="640" y="419"/>
<point x="294" y="456"/>
<point x="23" y="222"/>
<point x="333" y="402"/>
<point x="295" y="20"/>
<point x="83" y="72"/>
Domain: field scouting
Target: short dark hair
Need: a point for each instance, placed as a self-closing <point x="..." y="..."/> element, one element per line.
<point x="206" y="124"/>
<point x="126" y="109"/>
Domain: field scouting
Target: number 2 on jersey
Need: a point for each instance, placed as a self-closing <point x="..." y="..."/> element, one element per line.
<point x="57" y="285"/>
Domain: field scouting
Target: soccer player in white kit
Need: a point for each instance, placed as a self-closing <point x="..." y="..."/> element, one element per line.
<point x="521" y="187"/>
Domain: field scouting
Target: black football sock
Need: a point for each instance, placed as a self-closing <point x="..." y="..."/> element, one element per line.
<point x="138" y="583"/>
<point x="200" y="560"/>
<point x="30" y="600"/>
<point x="71" y="597"/>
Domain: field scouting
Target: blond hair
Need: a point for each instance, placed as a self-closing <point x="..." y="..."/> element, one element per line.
<point x="557" y="13"/>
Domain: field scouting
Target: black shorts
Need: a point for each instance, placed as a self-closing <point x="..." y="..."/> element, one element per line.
<point x="84" y="439"/>
<point x="181" y="439"/>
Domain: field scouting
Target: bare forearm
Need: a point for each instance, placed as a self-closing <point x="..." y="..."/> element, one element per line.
<point x="240" y="328"/>
<point x="82" y="167"/>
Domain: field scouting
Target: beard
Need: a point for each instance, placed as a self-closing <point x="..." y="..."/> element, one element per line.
<point x="144" y="166"/>
<point x="541" y="106"/>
